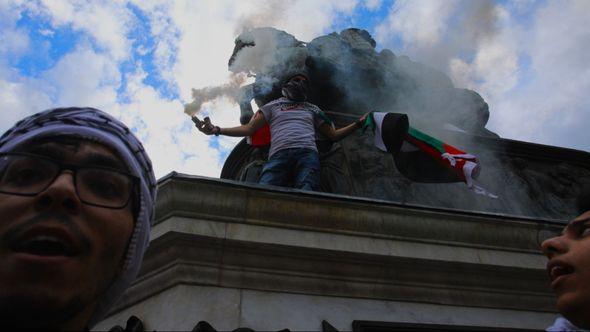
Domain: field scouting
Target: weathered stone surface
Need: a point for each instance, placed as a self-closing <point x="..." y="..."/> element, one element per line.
<point x="530" y="179"/>
<point x="270" y="258"/>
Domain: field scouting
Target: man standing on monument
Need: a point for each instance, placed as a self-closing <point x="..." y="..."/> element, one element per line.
<point x="76" y="202"/>
<point x="293" y="155"/>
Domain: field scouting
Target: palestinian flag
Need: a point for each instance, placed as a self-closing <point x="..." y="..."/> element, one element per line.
<point x="260" y="137"/>
<point x="421" y="157"/>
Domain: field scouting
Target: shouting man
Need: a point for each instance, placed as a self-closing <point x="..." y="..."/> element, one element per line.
<point x="293" y="155"/>
<point x="569" y="269"/>
<point x="76" y="202"/>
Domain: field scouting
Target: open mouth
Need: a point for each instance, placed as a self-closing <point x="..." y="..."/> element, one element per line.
<point x="45" y="242"/>
<point x="558" y="270"/>
<point x="44" y="245"/>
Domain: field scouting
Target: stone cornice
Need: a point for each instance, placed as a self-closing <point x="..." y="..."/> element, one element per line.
<point x="232" y="201"/>
<point x="221" y="233"/>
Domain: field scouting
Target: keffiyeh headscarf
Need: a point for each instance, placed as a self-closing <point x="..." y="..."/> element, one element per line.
<point x="97" y="126"/>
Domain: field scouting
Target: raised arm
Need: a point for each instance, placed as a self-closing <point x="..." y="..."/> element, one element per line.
<point x="337" y="134"/>
<point x="248" y="129"/>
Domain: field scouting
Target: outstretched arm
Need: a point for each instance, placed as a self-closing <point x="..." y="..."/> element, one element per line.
<point x="337" y="134"/>
<point x="248" y="129"/>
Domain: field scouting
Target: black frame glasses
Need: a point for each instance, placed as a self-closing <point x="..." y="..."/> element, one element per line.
<point x="87" y="179"/>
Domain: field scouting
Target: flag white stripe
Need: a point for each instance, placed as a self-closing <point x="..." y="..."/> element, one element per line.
<point x="378" y="118"/>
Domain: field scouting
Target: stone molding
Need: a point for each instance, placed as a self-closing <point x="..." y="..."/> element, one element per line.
<point x="222" y="233"/>
<point x="231" y="201"/>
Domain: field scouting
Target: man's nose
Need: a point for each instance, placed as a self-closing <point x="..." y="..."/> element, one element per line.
<point x="61" y="194"/>
<point x="554" y="246"/>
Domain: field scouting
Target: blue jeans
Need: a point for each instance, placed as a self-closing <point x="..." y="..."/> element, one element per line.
<point x="297" y="167"/>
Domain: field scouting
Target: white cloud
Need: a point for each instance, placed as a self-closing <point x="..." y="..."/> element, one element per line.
<point x="193" y="42"/>
<point x="373" y="4"/>
<point x="552" y="106"/>
<point x="19" y="98"/>
<point x="434" y="32"/>
<point x="195" y="39"/>
<point x="478" y="44"/>
<point x="164" y="132"/>
<point x="522" y="6"/>
<point x="47" y="32"/>
<point x="108" y="23"/>
<point x="421" y="23"/>
<point x="494" y="69"/>
<point x="14" y="41"/>
<point x="202" y="51"/>
<point x="84" y="77"/>
<point x="533" y="76"/>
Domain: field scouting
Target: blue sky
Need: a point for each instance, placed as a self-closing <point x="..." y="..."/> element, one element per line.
<point x="139" y="61"/>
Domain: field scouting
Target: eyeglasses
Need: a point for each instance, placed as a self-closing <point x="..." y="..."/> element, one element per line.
<point x="26" y="174"/>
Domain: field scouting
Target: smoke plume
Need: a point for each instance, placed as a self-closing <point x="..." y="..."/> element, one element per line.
<point x="230" y="90"/>
<point x="266" y="14"/>
<point x="251" y="60"/>
<point x="267" y="55"/>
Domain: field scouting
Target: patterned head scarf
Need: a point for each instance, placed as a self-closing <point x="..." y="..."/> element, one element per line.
<point x="97" y="126"/>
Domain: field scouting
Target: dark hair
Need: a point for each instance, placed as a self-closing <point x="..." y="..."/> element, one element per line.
<point x="583" y="201"/>
<point x="303" y="74"/>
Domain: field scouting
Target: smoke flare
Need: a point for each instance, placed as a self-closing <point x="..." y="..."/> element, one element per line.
<point x="230" y="90"/>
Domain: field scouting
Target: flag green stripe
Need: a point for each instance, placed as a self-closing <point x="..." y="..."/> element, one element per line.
<point x="417" y="134"/>
<point x="369" y="123"/>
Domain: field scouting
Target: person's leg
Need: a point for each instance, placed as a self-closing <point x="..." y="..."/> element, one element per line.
<point x="307" y="170"/>
<point x="276" y="170"/>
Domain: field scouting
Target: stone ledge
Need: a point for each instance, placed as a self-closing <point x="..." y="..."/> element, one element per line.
<point x="232" y="202"/>
<point x="218" y="234"/>
<point x="176" y="258"/>
<point x="369" y="244"/>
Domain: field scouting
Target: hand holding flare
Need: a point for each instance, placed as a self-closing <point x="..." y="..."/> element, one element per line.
<point x="205" y="126"/>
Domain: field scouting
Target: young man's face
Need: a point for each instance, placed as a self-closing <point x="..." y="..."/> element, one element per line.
<point x="569" y="270"/>
<point x="296" y="88"/>
<point x="57" y="253"/>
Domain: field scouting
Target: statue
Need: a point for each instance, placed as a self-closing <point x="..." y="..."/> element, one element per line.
<point x="349" y="77"/>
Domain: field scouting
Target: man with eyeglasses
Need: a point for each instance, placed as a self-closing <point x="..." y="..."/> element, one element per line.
<point x="293" y="156"/>
<point x="76" y="203"/>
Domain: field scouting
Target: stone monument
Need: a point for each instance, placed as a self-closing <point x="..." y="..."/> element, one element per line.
<point x="375" y="250"/>
<point x="348" y="78"/>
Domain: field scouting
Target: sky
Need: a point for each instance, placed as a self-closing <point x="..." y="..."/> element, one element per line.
<point x="138" y="60"/>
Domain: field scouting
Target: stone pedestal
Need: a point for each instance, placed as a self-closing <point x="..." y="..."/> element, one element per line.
<point x="268" y="258"/>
